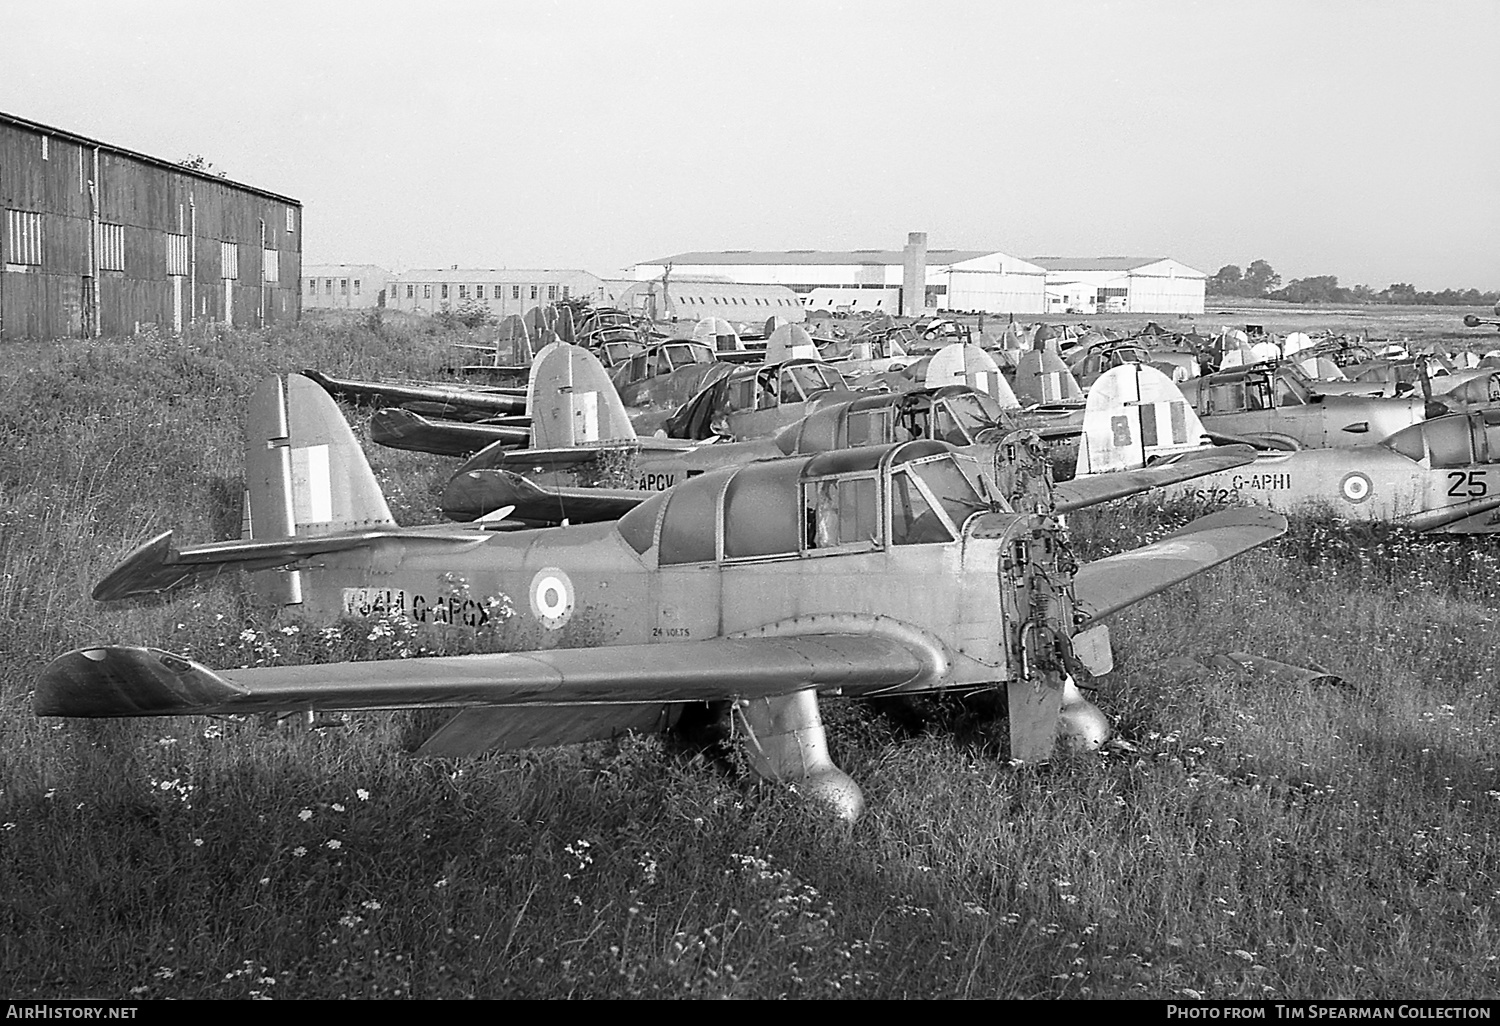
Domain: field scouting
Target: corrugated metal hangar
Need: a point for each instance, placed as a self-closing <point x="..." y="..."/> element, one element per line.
<point x="953" y="279"/>
<point x="1090" y="285"/>
<point x="101" y="240"/>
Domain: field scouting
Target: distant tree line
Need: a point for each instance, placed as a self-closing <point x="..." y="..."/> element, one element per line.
<point x="1260" y="281"/>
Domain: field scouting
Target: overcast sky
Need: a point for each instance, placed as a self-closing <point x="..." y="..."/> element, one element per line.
<point x="1350" y="137"/>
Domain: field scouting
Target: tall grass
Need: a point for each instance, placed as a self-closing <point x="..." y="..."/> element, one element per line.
<point x="1241" y="838"/>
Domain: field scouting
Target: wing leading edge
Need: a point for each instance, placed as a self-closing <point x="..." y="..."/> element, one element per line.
<point x="112" y="681"/>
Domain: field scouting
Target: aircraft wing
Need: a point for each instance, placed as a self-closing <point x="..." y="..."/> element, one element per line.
<point x="402" y="429"/>
<point x="111" y="681"/>
<point x="1095" y="488"/>
<point x="1108" y="585"/>
<point x="472" y="494"/>
<point x="159" y="564"/>
<point x="1442" y="516"/>
<point x="498" y="457"/>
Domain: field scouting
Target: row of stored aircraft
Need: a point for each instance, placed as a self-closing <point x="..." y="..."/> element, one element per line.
<point x="889" y="544"/>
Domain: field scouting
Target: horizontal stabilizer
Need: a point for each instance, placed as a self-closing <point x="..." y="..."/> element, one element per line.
<point x="402" y="429"/>
<point x="110" y="681"/>
<point x="476" y="493"/>
<point x="1264" y="443"/>
<point x="1108" y="585"/>
<point x="159" y="564"/>
<point x="1097" y="488"/>
<point x="487" y="400"/>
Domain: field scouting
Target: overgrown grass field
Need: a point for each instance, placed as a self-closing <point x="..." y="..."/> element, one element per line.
<point x="1243" y="838"/>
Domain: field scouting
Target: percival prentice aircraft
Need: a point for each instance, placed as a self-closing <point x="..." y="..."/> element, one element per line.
<point x="960" y="416"/>
<point x="877" y="570"/>
<point x="1439" y="475"/>
<point x="1273" y="405"/>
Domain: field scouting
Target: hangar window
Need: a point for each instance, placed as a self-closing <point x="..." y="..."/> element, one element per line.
<point x="761" y="513"/>
<point x="177" y="256"/>
<point x="444" y="291"/>
<point x="312" y="286"/>
<point x="533" y="292"/>
<point x="411" y="291"/>
<point x="343" y="286"/>
<point x="356" y="286"/>
<point x="463" y="292"/>
<point x="112" y="249"/>
<point x="565" y="292"/>
<point x="270" y="261"/>
<point x="552" y="292"/>
<point x="841" y="513"/>
<point x="328" y="286"/>
<point x="291" y="220"/>
<point x="45" y="141"/>
<point x="515" y="292"/>
<point x="426" y="291"/>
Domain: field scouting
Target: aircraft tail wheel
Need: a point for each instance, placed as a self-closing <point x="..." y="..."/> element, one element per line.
<point x="1081" y="725"/>
<point x="784" y="741"/>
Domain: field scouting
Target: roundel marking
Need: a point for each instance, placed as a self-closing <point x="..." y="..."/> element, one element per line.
<point x="552" y="597"/>
<point x="1355" y="487"/>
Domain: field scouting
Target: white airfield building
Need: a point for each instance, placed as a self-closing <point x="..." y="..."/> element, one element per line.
<point x="967" y="280"/>
<point x="1097" y="285"/>
<point x="862" y="279"/>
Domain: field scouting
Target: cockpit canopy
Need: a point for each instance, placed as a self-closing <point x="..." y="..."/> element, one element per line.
<point x="1251" y="388"/>
<point x="849" y="500"/>
<point x="1456" y="440"/>
<point x="955" y="414"/>
<point x="666" y="358"/>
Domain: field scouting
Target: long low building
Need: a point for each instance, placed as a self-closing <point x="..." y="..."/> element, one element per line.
<point x="502" y="291"/>
<point x="343" y="286"/>
<point x="692" y="299"/>
<point x="1098" y="285"/>
<point x="953" y="279"/>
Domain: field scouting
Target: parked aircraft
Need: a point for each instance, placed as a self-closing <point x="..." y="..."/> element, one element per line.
<point x="747" y="591"/>
<point x="1272" y="405"/>
<point x="1440" y="475"/>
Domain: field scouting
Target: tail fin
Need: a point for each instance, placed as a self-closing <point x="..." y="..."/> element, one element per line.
<point x="963" y="363"/>
<point x="305" y="473"/>
<point x="1042" y="377"/>
<point x="572" y="401"/>
<point x="1134" y="415"/>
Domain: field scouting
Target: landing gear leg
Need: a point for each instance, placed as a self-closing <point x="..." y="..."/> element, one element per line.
<point x="784" y="741"/>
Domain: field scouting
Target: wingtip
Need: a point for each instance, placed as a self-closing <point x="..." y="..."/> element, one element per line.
<point x="109" y="681"/>
<point x="142" y="572"/>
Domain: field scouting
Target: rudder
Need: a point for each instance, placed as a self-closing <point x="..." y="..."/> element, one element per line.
<point x="1135" y="415"/>
<point x="572" y="401"/>
<point x="305" y="473"/>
